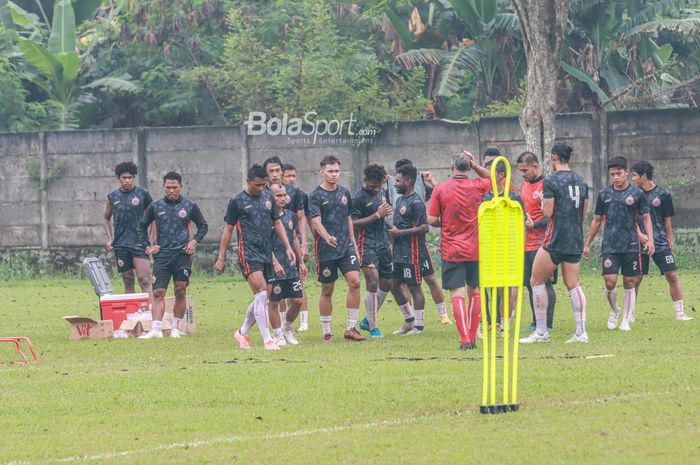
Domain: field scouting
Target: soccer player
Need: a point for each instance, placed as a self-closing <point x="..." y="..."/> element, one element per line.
<point x="454" y="207"/>
<point x="535" y="227"/>
<point x="618" y="207"/>
<point x="411" y="256"/>
<point x="369" y="209"/>
<point x="251" y="212"/>
<point x="564" y="202"/>
<point x="661" y="211"/>
<point x="330" y="205"/>
<point x="490" y="154"/>
<point x="286" y="280"/>
<point x="127" y="205"/>
<point x="173" y="250"/>
<point x="289" y="178"/>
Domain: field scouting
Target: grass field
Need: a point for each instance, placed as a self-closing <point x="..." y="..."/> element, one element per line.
<point x="398" y="400"/>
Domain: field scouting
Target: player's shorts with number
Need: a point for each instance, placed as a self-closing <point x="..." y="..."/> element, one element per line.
<point x="413" y="273"/>
<point x="628" y="263"/>
<point x="285" y="289"/>
<point x="328" y="270"/>
<point x="664" y="259"/>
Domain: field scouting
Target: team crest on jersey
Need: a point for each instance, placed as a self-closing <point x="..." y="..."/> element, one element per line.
<point x="656" y="202"/>
<point x="537" y="195"/>
<point x="326" y="272"/>
<point x="402" y="210"/>
<point x="607" y="263"/>
<point x="290" y="224"/>
<point x="186" y="273"/>
<point x="629" y="200"/>
<point x="182" y="213"/>
<point x="277" y="289"/>
<point x="135" y="201"/>
<point x="287" y="200"/>
<point x="344" y="200"/>
<point x="120" y="262"/>
<point x="268" y="204"/>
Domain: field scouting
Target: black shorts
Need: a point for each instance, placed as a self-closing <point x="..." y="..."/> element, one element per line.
<point x="457" y="274"/>
<point x="175" y="266"/>
<point x="380" y="259"/>
<point x="629" y="263"/>
<point x="530" y="260"/>
<point x="247" y="268"/>
<point x="328" y="270"/>
<point x="664" y="260"/>
<point x="559" y="258"/>
<point x="412" y="273"/>
<point x="125" y="258"/>
<point x="286" y="289"/>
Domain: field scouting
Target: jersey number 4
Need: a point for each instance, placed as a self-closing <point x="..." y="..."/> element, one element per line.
<point x="575" y="195"/>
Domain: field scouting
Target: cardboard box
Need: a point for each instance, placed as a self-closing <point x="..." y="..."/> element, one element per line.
<point x="187" y="324"/>
<point x="86" y="328"/>
<point x="134" y="328"/>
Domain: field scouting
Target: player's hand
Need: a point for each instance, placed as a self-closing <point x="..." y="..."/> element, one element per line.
<point x="220" y="265"/>
<point x="384" y="210"/>
<point x="190" y="247"/>
<point x="152" y="250"/>
<point x="303" y="270"/>
<point x="529" y="224"/>
<point x="651" y="247"/>
<point x="279" y="270"/>
<point x="291" y="256"/>
<point x="471" y="157"/>
<point x="305" y="251"/>
<point x="394" y="231"/>
<point x="586" y="251"/>
<point x="671" y="246"/>
<point x="427" y="177"/>
<point x="332" y="241"/>
<point x="109" y="245"/>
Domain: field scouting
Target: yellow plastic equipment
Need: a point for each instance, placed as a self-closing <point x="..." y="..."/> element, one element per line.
<point x="501" y="265"/>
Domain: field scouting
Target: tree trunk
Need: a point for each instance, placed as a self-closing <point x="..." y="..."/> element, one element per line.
<point x="542" y="23"/>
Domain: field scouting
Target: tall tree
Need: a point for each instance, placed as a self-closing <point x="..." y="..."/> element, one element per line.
<point x="543" y="25"/>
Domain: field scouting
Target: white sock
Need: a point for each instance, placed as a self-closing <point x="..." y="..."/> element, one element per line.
<point x="578" y="303"/>
<point x="277" y="332"/>
<point x="381" y="296"/>
<point x="288" y="326"/>
<point x="407" y="312"/>
<point x="260" y="312"/>
<point x="352" y="317"/>
<point x="420" y="314"/>
<point x="678" y="307"/>
<point x="371" y="307"/>
<point x="611" y="295"/>
<point x="442" y="308"/>
<point x="176" y="323"/>
<point x="540" y="299"/>
<point x="326" y="324"/>
<point x="249" y="319"/>
<point x="303" y="316"/>
<point x="157" y="325"/>
<point x="628" y="300"/>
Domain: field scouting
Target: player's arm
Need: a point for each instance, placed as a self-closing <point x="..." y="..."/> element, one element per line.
<point x="669" y="231"/>
<point x="595" y="227"/>
<point x="301" y="221"/>
<point x="352" y="235"/>
<point x="317" y="223"/>
<point x="434" y="209"/>
<point x="358" y="221"/>
<point x="300" y="257"/>
<point x="478" y="169"/>
<point x="202" y="229"/>
<point x="651" y="247"/>
<point x="142" y="230"/>
<point x="282" y="234"/>
<point x="548" y="208"/>
<point x="279" y="270"/>
<point x="232" y="216"/>
<point x="107" y="224"/>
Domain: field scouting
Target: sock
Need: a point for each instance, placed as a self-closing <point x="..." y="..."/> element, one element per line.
<point x="277" y="332"/>
<point x="552" y="300"/>
<point x="420" y="314"/>
<point x="157" y="325"/>
<point x="540" y="299"/>
<point x="678" y="307"/>
<point x="460" y="315"/>
<point x="288" y="326"/>
<point x="611" y="295"/>
<point x="371" y="307"/>
<point x="326" y="324"/>
<point x="381" y="296"/>
<point x="532" y="305"/>
<point x="578" y="303"/>
<point x="176" y="323"/>
<point x="352" y="317"/>
<point x="407" y="312"/>
<point x="474" y="315"/>
<point x="303" y="316"/>
<point x="260" y="312"/>
<point x="442" y="308"/>
<point x="249" y="319"/>
<point x="628" y="300"/>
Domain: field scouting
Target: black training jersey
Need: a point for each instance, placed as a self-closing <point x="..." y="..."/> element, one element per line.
<point x="620" y="211"/>
<point x="289" y="221"/>
<point x="373" y="236"/>
<point x="295" y="198"/>
<point x="127" y="210"/>
<point x="409" y="212"/>
<point x="173" y="224"/>
<point x="564" y="233"/>
<point x="253" y="218"/>
<point x="660" y="208"/>
<point x="334" y="208"/>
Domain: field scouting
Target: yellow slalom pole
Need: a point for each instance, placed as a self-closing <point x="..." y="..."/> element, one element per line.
<point x="506" y="318"/>
<point x="494" y="313"/>
<point x="485" y="333"/>
<point x="516" y="345"/>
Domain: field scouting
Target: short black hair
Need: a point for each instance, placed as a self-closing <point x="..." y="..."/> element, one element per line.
<point x="374" y="172"/>
<point x="643" y="168"/>
<point x="288" y="167"/>
<point x="492" y="152"/>
<point x="329" y="160"/>
<point x="256" y="171"/>
<point x="529" y="158"/>
<point x="126" y="167"/>
<point x="408" y="172"/>
<point x="501" y="167"/>
<point x="617" y="162"/>
<point x="174" y="175"/>
<point x="563" y="151"/>
<point x="402" y="162"/>
<point x="272" y="161"/>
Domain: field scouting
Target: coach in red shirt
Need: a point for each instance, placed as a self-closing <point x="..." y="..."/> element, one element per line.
<point x="454" y="206"/>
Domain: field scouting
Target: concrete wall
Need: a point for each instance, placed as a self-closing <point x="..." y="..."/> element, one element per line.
<point x="213" y="161"/>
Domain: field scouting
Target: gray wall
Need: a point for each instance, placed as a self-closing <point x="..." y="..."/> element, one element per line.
<point x="213" y="161"/>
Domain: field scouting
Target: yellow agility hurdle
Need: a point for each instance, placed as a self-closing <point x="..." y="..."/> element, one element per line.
<point x="501" y="265"/>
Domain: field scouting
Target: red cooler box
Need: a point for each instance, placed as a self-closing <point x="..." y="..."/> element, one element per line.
<point x="116" y="307"/>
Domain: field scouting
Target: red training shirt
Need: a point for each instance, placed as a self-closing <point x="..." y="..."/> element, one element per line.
<point x="531" y="194"/>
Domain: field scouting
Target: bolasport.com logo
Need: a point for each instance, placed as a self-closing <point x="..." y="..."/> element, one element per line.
<point x="309" y="130"/>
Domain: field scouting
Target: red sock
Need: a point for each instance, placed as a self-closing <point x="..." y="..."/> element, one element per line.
<point x="474" y="314"/>
<point x="460" y="315"/>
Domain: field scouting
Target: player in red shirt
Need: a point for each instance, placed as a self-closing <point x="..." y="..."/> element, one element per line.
<point x="454" y="206"/>
<point x="535" y="227"/>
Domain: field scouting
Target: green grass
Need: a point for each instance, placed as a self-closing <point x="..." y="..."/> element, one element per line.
<point x="398" y="400"/>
